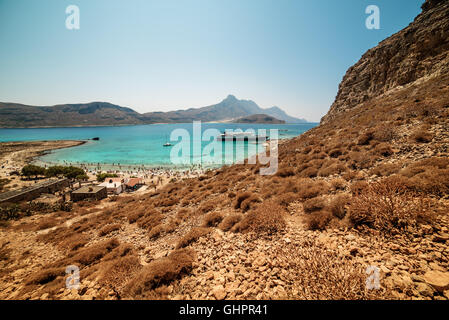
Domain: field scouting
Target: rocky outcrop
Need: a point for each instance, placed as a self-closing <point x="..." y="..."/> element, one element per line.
<point x="419" y="51"/>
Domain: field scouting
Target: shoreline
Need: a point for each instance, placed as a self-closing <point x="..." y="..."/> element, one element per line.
<point x="16" y="154"/>
<point x="144" y="124"/>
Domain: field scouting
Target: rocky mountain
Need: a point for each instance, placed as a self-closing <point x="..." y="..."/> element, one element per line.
<point x="105" y="114"/>
<point x="259" y="118"/>
<point x="229" y="109"/>
<point x="416" y="53"/>
<point x="89" y="114"/>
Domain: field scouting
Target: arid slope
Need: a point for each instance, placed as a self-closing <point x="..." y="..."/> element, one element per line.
<point x="368" y="188"/>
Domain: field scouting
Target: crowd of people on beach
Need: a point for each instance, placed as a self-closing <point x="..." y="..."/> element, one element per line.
<point x="153" y="177"/>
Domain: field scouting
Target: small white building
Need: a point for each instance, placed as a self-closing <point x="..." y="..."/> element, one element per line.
<point x="114" y="186"/>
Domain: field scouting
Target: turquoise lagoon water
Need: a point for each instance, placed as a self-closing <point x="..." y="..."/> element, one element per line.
<point x="140" y="145"/>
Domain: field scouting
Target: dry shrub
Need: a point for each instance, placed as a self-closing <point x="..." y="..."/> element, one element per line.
<point x="167" y="202"/>
<point x="386" y="169"/>
<point x="338" y="184"/>
<point x="430" y="176"/>
<point x="133" y="217"/>
<point x="285" y="172"/>
<point x="286" y="185"/>
<point x="365" y="138"/>
<point x="285" y="199"/>
<point x="240" y="197"/>
<point x="212" y="219"/>
<point x="45" y="276"/>
<point x="383" y="149"/>
<point x="46" y="223"/>
<point x="385" y="133"/>
<point x="117" y="273"/>
<point x="192" y="236"/>
<point x="108" y="229"/>
<point x="335" y="153"/>
<point x="267" y="219"/>
<point x="171" y="225"/>
<point x="74" y="242"/>
<point x="311" y="189"/>
<point x="309" y="172"/>
<point x="94" y="253"/>
<point x="422" y="135"/>
<point x="183" y="214"/>
<point x="160" y="272"/>
<point x="358" y="186"/>
<point x="250" y="203"/>
<point x="156" y="231"/>
<point x="151" y="220"/>
<point x="317" y="273"/>
<point x="337" y="205"/>
<point x="229" y="221"/>
<point x="335" y="168"/>
<point x="436" y="162"/>
<point x="318" y="220"/>
<point x="208" y="206"/>
<point x="360" y="160"/>
<point x="314" y="204"/>
<point x="388" y="205"/>
<point x="432" y="182"/>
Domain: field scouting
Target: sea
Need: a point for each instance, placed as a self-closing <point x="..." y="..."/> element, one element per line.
<point x="143" y="145"/>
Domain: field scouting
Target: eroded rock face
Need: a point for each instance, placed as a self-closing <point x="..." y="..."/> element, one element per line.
<point x="418" y="51"/>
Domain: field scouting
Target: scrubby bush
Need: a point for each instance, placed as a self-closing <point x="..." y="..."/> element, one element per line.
<point x="265" y="220"/>
<point x="192" y="236"/>
<point x="383" y="150"/>
<point x="311" y="189"/>
<point x="335" y="168"/>
<point x="317" y="273"/>
<point x="337" y="205"/>
<point x="108" y="229"/>
<point x="212" y="219"/>
<point x="387" y="205"/>
<point x="422" y="135"/>
<point x="160" y="272"/>
<point x="240" y="197"/>
<point x="314" y="204"/>
<point x="156" y="231"/>
<point x="385" y="169"/>
<point x="102" y="176"/>
<point x="229" y="221"/>
<point x="285" y="172"/>
<point x="309" y="172"/>
<point x="32" y="170"/>
<point x="318" y="220"/>
<point x="338" y="184"/>
<point x="250" y="203"/>
<point x="366" y="137"/>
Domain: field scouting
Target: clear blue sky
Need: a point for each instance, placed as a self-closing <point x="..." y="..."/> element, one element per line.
<point x="170" y="54"/>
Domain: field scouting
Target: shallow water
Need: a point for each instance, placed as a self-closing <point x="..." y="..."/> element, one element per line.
<point x="140" y="145"/>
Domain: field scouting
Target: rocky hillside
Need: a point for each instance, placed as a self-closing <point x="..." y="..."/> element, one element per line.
<point x="368" y="188"/>
<point x="416" y="53"/>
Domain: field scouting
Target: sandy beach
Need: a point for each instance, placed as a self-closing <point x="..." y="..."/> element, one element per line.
<point x="15" y="155"/>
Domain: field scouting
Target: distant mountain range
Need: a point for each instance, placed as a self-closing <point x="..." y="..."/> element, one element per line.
<point x="14" y="115"/>
<point x="259" y="118"/>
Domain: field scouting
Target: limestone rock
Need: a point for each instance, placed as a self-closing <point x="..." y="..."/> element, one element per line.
<point x="409" y="55"/>
<point x="219" y="292"/>
<point x="438" y="280"/>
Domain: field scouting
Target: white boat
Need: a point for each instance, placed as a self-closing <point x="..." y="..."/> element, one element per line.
<point x="241" y="136"/>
